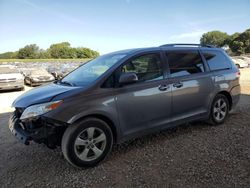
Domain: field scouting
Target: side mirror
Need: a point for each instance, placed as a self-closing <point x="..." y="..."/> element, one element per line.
<point x="128" y="78"/>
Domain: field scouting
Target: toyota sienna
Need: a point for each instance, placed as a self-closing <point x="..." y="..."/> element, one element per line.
<point x="124" y="95"/>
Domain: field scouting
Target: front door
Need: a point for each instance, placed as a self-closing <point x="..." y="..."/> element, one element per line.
<point x="146" y="103"/>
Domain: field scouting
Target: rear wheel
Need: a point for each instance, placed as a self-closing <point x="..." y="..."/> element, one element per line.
<point x="87" y="143"/>
<point x="219" y="109"/>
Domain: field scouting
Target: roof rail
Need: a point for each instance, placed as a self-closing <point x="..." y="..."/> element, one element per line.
<point x="184" y="44"/>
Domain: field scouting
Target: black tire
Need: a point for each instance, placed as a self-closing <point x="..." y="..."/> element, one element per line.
<point x="22" y="88"/>
<point x="213" y="119"/>
<point x="75" y="131"/>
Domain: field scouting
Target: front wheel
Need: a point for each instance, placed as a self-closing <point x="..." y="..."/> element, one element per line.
<point x="219" y="109"/>
<point x="87" y="143"/>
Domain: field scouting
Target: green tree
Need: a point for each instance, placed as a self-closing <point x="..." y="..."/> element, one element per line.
<point x="8" y="55"/>
<point x="61" y="50"/>
<point x="239" y="43"/>
<point x="43" y="54"/>
<point x="95" y="53"/>
<point x="28" y="52"/>
<point x="216" y="38"/>
<point x="86" y="53"/>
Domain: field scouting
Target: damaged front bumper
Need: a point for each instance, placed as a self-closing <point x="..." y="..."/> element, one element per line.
<point x="39" y="130"/>
<point x="16" y="127"/>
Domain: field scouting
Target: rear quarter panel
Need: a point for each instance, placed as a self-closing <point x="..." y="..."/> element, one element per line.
<point x="227" y="80"/>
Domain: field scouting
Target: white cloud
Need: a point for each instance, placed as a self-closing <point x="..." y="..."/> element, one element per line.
<point x="193" y="36"/>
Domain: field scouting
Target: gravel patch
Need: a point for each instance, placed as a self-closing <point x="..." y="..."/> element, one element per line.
<point x="193" y="155"/>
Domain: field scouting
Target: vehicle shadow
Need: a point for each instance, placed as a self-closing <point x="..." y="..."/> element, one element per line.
<point x="10" y="91"/>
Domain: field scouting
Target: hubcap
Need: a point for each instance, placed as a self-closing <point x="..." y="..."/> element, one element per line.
<point x="90" y="144"/>
<point x="220" y="109"/>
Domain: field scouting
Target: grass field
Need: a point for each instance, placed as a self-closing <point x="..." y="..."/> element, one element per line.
<point x="44" y="60"/>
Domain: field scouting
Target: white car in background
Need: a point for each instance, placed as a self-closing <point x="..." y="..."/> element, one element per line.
<point x="240" y="63"/>
<point x="10" y="78"/>
<point x="246" y="59"/>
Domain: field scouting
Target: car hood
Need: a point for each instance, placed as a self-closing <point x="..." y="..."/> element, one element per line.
<point x="11" y="75"/>
<point x="41" y="76"/>
<point x="41" y="94"/>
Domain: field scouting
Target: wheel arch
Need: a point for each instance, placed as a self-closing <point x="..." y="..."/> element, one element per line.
<point x="106" y="119"/>
<point x="228" y="96"/>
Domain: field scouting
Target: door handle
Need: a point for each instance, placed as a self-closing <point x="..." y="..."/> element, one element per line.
<point x="163" y="87"/>
<point x="178" y="85"/>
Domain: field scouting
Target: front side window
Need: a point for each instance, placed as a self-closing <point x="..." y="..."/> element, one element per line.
<point x="89" y="72"/>
<point x="146" y="67"/>
<point x="216" y="60"/>
<point x="182" y="63"/>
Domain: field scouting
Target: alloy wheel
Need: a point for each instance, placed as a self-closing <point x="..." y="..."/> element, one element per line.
<point x="90" y="144"/>
<point x="220" y="109"/>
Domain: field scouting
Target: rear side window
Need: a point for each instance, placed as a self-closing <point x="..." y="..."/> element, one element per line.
<point x="182" y="63"/>
<point x="216" y="60"/>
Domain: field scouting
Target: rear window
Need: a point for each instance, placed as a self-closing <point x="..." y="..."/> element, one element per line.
<point x="216" y="60"/>
<point x="182" y="63"/>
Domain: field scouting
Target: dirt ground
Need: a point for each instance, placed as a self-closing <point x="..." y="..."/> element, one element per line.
<point x="194" y="155"/>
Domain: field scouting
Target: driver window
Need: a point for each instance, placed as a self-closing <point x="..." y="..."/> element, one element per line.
<point x="146" y="67"/>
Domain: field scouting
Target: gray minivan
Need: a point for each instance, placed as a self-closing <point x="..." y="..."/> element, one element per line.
<point x="126" y="94"/>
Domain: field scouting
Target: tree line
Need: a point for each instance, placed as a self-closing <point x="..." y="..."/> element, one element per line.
<point x="61" y="50"/>
<point x="237" y="43"/>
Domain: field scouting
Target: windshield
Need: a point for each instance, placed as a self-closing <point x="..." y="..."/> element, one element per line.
<point x="92" y="70"/>
<point x="7" y="70"/>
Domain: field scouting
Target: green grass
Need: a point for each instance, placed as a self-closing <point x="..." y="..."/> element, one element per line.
<point x="44" y="60"/>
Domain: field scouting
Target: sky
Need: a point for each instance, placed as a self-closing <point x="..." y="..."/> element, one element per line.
<point x="110" y="25"/>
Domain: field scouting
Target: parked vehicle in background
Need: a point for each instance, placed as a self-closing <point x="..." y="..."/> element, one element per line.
<point x="10" y="78"/>
<point x="124" y="95"/>
<point x="239" y="62"/>
<point x="60" y="72"/>
<point x="66" y="70"/>
<point x="55" y="71"/>
<point x="36" y="77"/>
<point x="246" y="59"/>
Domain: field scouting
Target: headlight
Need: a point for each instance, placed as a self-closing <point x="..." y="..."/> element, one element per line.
<point x="39" y="109"/>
